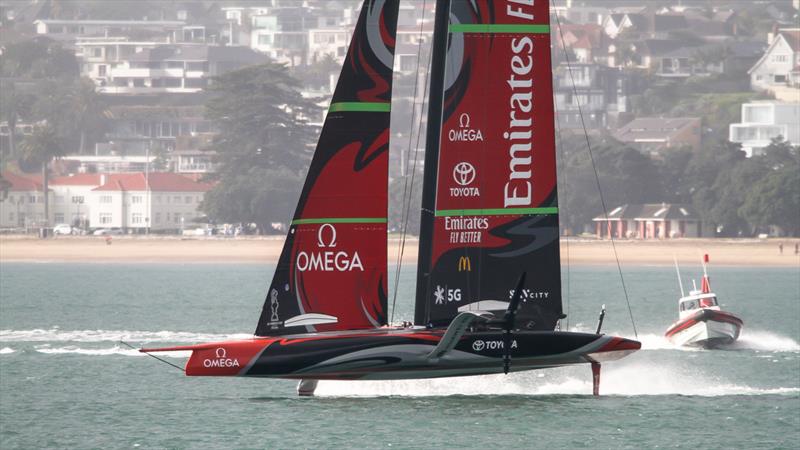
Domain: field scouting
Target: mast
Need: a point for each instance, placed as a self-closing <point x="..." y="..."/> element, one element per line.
<point x="432" y="138"/>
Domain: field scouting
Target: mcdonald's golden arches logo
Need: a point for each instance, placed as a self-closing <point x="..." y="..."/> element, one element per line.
<point x="464" y="264"/>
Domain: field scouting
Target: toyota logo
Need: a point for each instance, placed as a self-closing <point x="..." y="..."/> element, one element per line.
<point x="463" y="173"/>
<point x="478" y="345"/>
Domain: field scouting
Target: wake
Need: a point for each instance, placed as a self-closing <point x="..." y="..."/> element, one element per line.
<point x="759" y="341"/>
<point x="616" y="381"/>
<point x="57" y="335"/>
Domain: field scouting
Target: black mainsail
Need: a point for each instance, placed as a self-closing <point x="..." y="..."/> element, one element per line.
<point x="490" y="208"/>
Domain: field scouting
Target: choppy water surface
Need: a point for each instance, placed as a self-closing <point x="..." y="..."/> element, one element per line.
<point x="65" y="381"/>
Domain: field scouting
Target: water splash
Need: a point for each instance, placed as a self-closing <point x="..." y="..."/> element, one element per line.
<point x="57" y="335"/>
<point x="618" y="381"/>
<point x="766" y="342"/>
<point x="6" y="351"/>
<point x="108" y="351"/>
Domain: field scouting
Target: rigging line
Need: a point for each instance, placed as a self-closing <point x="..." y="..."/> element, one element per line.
<point x="408" y="188"/>
<point x="596" y="176"/>
<point x="154" y="356"/>
<point x="563" y="178"/>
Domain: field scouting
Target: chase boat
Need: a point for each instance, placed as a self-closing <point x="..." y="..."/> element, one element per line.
<point x="701" y="322"/>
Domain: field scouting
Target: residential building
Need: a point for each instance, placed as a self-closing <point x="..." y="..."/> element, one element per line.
<point x="779" y="67"/>
<point x="649" y="221"/>
<point x="654" y="135"/>
<point x="71" y="196"/>
<point x="69" y="30"/>
<point x="764" y="121"/>
<point x="119" y="66"/>
<point x="191" y="158"/>
<point x="596" y="92"/>
<point x="21" y="201"/>
<point x="588" y="42"/>
<point x="135" y="202"/>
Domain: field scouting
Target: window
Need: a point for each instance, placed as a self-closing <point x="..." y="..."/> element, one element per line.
<point x="11" y="217"/>
<point x="97" y="52"/>
<point x="176" y="199"/>
<point x="188" y="199"/>
<point x="780" y="78"/>
<point x="136" y="218"/>
<point x="105" y="199"/>
<point x="136" y="199"/>
<point x="177" y="218"/>
<point x="77" y="199"/>
<point x="168" y="216"/>
<point x="59" y="218"/>
<point x="158" y="217"/>
<point x="264" y="39"/>
<point x="105" y="218"/>
<point x="101" y="70"/>
<point x="780" y="58"/>
<point x="59" y="199"/>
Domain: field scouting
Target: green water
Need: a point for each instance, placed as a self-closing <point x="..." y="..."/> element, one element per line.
<point x="65" y="381"/>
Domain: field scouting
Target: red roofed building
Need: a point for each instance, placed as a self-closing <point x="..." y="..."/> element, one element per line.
<point x="21" y="201"/>
<point x="129" y="201"/>
<point x="132" y="201"/>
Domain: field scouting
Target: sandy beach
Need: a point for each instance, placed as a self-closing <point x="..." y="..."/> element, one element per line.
<point x="730" y="252"/>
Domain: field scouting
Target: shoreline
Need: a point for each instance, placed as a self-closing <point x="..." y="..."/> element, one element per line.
<point x="267" y="249"/>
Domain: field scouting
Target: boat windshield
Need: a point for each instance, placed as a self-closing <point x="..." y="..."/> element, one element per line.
<point x="688" y="304"/>
<point x="706" y="302"/>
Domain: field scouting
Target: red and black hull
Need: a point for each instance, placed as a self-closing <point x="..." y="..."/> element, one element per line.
<point x="384" y="354"/>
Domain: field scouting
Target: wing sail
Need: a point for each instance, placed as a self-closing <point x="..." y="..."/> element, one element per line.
<point x="333" y="264"/>
<point x="493" y="210"/>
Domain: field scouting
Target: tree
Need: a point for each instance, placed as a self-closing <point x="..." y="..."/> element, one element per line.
<point x="14" y="106"/>
<point x="38" y="58"/>
<point x="262" y="119"/>
<point x="775" y="198"/>
<point x="88" y="109"/>
<point x="259" y="195"/>
<point x="263" y="146"/>
<point x="41" y="147"/>
<point x="626" y="176"/>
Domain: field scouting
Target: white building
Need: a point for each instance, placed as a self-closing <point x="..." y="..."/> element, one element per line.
<point x="119" y="66"/>
<point x="167" y="202"/>
<point x="125" y="200"/>
<point x="21" y="202"/>
<point x="764" y="121"/>
<point x="779" y="68"/>
<point x="71" y="29"/>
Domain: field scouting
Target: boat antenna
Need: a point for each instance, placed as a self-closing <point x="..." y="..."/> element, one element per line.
<point x="153" y="356"/>
<point x="678" y="271"/>
<point x="600" y="319"/>
<point x="594" y="167"/>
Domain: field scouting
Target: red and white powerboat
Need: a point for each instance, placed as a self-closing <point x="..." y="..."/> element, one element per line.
<point x="701" y="322"/>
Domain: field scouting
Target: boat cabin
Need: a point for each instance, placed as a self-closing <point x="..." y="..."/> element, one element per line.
<point x="695" y="300"/>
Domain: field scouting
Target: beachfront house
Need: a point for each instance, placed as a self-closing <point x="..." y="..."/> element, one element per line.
<point x="21" y="201"/>
<point x="649" y="221"/>
<point x="136" y="202"/>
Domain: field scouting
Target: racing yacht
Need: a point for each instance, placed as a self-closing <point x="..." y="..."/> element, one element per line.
<point x="488" y="295"/>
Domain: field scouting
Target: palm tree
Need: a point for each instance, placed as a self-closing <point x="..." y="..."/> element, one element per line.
<point x="88" y="108"/>
<point x="41" y="147"/>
